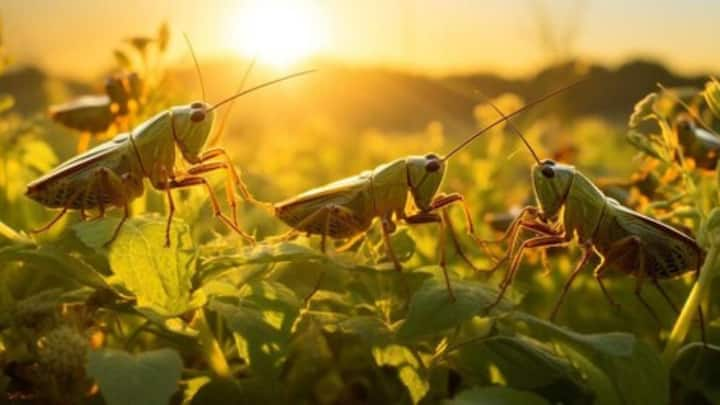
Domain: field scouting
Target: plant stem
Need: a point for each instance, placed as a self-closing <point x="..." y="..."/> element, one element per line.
<point x="210" y="346"/>
<point x="690" y="309"/>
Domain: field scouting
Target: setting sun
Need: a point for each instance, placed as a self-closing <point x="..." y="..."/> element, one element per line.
<point x="279" y="33"/>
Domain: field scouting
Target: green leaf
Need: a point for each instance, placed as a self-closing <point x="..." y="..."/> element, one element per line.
<point x="11" y="236"/>
<point x="48" y="259"/>
<point x="259" y="254"/>
<point x="160" y="277"/>
<point x="712" y="96"/>
<point x="643" y="110"/>
<point x="431" y="311"/>
<point x="696" y="374"/>
<point x="149" y="378"/>
<point x="261" y="322"/>
<point x="408" y="366"/>
<point x="618" y="366"/>
<point x="524" y="364"/>
<point x="496" y="396"/>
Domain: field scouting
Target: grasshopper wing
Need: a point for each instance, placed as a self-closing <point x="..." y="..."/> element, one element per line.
<point x="669" y="252"/>
<point x="351" y="195"/>
<point x="83" y="160"/>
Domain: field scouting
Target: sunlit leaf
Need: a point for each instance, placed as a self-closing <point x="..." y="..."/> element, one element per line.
<point x="261" y="323"/>
<point x="496" y="396"/>
<point x="408" y="366"/>
<point x="712" y="96"/>
<point x="149" y="378"/>
<point x="643" y="110"/>
<point x="160" y="277"/>
<point x="432" y="311"/>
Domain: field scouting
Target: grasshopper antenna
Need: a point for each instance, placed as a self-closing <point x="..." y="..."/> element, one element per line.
<point x="197" y="65"/>
<point x="512" y="114"/>
<point x="223" y="120"/>
<point x="258" y="87"/>
<point x="512" y="127"/>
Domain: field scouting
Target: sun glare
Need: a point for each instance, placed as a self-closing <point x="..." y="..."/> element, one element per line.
<point x="279" y="33"/>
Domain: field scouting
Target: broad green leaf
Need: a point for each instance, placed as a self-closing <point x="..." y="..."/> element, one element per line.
<point x="696" y="374"/>
<point x="403" y="245"/>
<point x="240" y="392"/>
<point x="149" y="378"/>
<point x="432" y="311"/>
<point x="712" y="96"/>
<point x="260" y="254"/>
<point x="408" y="366"/>
<point x="160" y="277"/>
<point x="50" y="260"/>
<point x="524" y="364"/>
<point x="619" y="367"/>
<point x="496" y="396"/>
<point x="261" y="322"/>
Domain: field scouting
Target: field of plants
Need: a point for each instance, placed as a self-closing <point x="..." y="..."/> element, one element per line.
<point x="205" y="317"/>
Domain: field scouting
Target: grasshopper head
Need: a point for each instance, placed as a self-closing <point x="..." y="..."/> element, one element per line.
<point x="425" y="174"/>
<point x="193" y="124"/>
<point x="551" y="183"/>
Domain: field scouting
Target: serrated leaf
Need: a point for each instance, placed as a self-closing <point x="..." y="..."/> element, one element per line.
<point x="149" y="378"/>
<point x="496" y="396"/>
<point x="160" y="277"/>
<point x="431" y="311"/>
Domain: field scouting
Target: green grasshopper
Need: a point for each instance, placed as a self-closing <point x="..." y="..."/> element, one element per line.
<point x="112" y="173"/>
<point x="572" y="207"/>
<point x="346" y="208"/>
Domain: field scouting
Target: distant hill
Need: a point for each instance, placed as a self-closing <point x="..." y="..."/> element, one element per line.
<point x="362" y="98"/>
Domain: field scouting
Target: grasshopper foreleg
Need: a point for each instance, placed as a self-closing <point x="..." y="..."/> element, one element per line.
<point x="191" y="181"/>
<point x="535" y="242"/>
<point x="587" y="254"/>
<point x="242" y="188"/>
<point x="229" y="188"/>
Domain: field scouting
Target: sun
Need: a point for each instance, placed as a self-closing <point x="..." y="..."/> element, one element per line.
<point x="280" y="33"/>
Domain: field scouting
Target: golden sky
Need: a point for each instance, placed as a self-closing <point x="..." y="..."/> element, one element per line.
<point x="512" y="37"/>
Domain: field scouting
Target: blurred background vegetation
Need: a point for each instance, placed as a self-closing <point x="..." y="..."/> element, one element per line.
<point x="349" y="117"/>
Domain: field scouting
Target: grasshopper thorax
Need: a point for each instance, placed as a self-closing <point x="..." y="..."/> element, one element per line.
<point x="193" y="124"/>
<point x="424" y="176"/>
<point x="551" y="183"/>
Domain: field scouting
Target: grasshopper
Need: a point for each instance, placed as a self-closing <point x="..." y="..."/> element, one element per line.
<point x="571" y="207"/>
<point x="347" y="208"/>
<point x="112" y="173"/>
<point x="94" y="114"/>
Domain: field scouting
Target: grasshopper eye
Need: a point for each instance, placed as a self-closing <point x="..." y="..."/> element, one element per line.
<point x="432" y="165"/>
<point x="196" y="105"/>
<point x="548" y="172"/>
<point x="197" y="116"/>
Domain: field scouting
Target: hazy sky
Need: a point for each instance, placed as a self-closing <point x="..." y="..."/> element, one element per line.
<point x="74" y="37"/>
